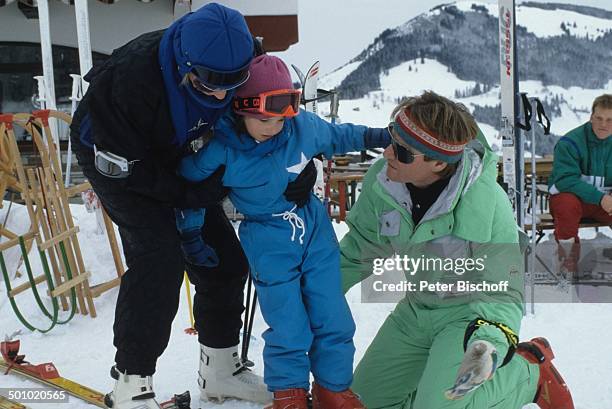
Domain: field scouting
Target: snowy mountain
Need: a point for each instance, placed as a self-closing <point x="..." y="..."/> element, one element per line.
<point x="564" y="58"/>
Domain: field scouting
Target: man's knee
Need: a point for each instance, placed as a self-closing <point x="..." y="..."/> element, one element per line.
<point x="377" y="394"/>
<point x="566" y="209"/>
<point x="373" y="396"/>
<point x="566" y="205"/>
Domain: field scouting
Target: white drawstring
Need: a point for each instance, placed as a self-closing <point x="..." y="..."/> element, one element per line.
<point x="295" y="221"/>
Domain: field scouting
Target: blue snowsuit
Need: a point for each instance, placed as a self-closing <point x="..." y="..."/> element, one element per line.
<point x="293" y="252"/>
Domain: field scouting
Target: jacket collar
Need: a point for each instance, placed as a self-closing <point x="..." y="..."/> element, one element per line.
<point x="468" y="170"/>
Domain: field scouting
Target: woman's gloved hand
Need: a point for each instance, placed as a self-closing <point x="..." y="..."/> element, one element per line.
<point x="478" y="365"/>
<point x="196" y="251"/>
<point x="189" y="224"/>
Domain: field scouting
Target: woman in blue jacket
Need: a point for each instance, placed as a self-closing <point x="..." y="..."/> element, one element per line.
<point x="293" y="251"/>
<point x="145" y="106"/>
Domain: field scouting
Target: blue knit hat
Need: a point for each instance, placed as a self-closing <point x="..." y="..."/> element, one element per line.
<point x="215" y="37"/>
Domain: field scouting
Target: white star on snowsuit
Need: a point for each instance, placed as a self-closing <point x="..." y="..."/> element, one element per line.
<point x="298" y="167"/>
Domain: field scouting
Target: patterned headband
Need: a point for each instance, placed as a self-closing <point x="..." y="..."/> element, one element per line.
<point x="426" y="142"/>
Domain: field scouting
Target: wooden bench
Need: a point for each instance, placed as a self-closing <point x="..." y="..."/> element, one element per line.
<point x="546" y="222"/>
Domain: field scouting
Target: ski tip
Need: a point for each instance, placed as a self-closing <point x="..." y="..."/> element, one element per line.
<point x="314" y="70"/>
<point x="299" y="73"/>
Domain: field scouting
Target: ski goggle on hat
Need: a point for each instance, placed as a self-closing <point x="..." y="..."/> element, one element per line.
<point x="282" y="102"/>
<point x="209" y="81"/>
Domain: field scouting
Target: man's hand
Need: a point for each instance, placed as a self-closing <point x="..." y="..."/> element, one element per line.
<point x="299" y="191"/>
<point x="606" y="203"/>
<point x="478" y="365"/>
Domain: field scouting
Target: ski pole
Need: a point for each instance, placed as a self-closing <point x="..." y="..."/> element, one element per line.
<point x="527" y="127"/>
<point x="540" y="119"/>
<point x="246" y="317"/>
<point x="77" y="95"/>
<point x="248" y="323"/>
<point x="248" y="362"/>
<point x="191" y="330"/>
<point x="334" y="103"/>
<point x="533" y="212"/>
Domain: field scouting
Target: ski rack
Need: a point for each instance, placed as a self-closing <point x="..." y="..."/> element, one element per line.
<point x="52" y="228"/>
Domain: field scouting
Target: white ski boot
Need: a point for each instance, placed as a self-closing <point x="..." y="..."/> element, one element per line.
<point x="131" y="392"/>
<point x="222" y="376"/>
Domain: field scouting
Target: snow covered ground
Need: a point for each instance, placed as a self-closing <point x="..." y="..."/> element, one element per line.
<point x="82" y="350"/>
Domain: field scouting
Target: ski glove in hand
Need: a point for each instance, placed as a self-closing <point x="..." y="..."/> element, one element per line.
<point x="299" y="191"/>
<point x="478" y="365"/>
<point x="189" y="223"/>
<point x="376" y="138"/>
<point x="197" y="252"/>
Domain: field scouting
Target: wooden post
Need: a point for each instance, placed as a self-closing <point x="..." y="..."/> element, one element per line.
<point x="342" y="180"/>
<point x="342" y="200"/>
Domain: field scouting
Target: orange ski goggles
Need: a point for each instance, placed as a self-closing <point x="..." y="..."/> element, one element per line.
<point x="282" y="102"/>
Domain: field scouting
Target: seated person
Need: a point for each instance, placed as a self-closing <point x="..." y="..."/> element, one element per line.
<point x="581" y="180"/>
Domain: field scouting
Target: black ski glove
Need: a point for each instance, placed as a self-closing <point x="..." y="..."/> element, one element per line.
<point x="376" y="138"/>
<point x="299" y="190"/>
<point x="206" y="193"/>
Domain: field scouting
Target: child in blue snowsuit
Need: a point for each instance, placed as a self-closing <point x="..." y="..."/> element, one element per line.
<point x="293" y="251"/>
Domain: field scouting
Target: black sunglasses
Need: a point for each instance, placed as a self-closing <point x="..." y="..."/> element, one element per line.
<point x="214" y="81"/>
<point x="401" y="153"/>
<point x="201" y="87"/>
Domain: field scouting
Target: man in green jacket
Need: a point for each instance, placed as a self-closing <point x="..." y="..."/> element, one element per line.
<point x="433" y="207"/>
<point x="581" y="180"/>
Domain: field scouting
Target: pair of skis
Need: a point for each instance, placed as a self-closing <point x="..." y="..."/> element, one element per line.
<point x="512" y="143"/>
<point x="47" y="374"/>
<point x="513" y="149"/>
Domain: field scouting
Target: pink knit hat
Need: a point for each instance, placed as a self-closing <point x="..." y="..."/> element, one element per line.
<point x="267" y="73"/>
